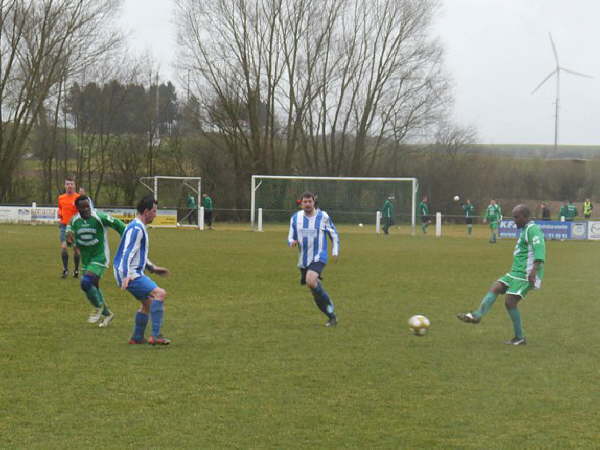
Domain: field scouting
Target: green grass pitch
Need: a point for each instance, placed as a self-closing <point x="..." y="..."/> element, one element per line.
<point x="252" y="366"/>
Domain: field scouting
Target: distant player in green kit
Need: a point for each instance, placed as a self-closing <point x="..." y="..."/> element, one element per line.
<point x="493" y="216"/>
<point x="388" y="214"/>
<point x="469" y="210"/>
<point x="87" y="230"/>
<point x="526" y="273"/>
<point x="424" y="212"/>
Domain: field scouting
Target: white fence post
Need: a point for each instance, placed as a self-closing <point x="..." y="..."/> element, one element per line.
<point x="438" y="224"/>
<point x="378" y="222"/>
<point x="201" y="218"/>
<point x="260" y="220"/>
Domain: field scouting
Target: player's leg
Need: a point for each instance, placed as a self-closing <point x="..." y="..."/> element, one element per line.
<point x="511" y="302"/>
<point x="76" y="259"/>
<point x="498" y="288"/>
<point x="469" y="226"/>
<point x="322" y="299"/>
<point x="64" y="255"/>
<point x="88" y="286"/>
<point x="141" y="288"/>
<point x="157" y="299"/>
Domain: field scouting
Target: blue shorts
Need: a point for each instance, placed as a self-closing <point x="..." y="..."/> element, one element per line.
<point x="315" y="267"/>
<point x="141" y="287"/>
<point x="62" y="233"/>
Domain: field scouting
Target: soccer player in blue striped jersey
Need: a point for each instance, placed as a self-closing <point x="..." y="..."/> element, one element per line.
<point x="129" y="265"/>
<point x="309" y="229"/>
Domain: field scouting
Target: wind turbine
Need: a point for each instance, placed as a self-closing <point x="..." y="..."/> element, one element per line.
<point x="557" y="72"/>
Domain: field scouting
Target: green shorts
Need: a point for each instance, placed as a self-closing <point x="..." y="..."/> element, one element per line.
<point x="493" y="225"/>
<point x="95" y="267"/>
<point x="515" y="285"/>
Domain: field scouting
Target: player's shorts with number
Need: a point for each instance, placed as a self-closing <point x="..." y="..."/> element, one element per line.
<point x="516" y="285"/>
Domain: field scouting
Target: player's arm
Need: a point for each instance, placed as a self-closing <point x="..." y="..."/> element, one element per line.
<point x="110" y="221"/>
<point x="539" y="253"/>
<point x="133" y="239"/>
<point x="334" y="236"/>
<point x="153" y="268"/>
<point x="70" y="236"/>
<point x="59" y="214"/>
<point x="293" y="233"/>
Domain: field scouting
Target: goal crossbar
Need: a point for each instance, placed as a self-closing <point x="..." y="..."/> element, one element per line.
<point x="254" y="187"/>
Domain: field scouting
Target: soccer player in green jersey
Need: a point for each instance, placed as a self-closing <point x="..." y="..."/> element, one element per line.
<point x="388" y="214"/>
<point x="526" y="273"/>
<point x="493" y="216"/>
<point x="469" y="210"/>
<point x="87" y="230"/>
<point x="207" y="203"/>
<point x="424" y="212"/>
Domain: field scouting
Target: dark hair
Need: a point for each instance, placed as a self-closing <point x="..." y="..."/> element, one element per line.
<point x="70" y="179"/>
<point x="79" y="199"/>
<point x="308" y="194"/>
<point x="146" y="203"/>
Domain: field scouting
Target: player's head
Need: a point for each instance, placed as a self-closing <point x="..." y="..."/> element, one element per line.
<point x="492" y="202"/>
<point x="69" y="185"/>
<point x="308" y="202"/>
<point x="521" y="215"/>
<point x="468" y="202"/>
<point x="146" y="208"/>
<point x="82" y="191"/>
<point x="587" y="200"/>
<point x="204" y="195"/>
<point x="82" y="203"/>
<point x="425" y="198"/>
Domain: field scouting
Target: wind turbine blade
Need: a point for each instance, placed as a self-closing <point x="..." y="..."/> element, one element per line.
<point x="543" y="81"/>
<point x="554" y="49"/>
<point x="572" y="72"/>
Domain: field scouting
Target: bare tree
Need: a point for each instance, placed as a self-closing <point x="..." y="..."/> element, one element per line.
<point x="42" y="42"/>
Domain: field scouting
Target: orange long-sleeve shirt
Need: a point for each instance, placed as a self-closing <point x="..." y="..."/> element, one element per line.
<point x="66" y="207"/>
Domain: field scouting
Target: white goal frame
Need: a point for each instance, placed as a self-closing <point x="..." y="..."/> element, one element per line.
<point x="151" y="183"/>
<point x="254" y="186"/>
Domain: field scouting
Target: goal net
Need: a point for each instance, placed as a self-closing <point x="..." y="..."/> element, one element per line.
<point x="178" y="200"/>
<point x="349" y="200"/>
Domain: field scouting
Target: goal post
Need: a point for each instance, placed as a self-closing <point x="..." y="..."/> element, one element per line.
<point x="349" y="199"/>
<point x="172" y="193"/>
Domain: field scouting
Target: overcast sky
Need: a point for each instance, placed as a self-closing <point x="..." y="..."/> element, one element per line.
<point x="497" y="51"/>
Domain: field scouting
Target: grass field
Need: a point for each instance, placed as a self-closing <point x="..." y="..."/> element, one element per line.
<point x="252" y="366"/>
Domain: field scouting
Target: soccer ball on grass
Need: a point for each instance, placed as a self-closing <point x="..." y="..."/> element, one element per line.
<point x="418" y="325"/>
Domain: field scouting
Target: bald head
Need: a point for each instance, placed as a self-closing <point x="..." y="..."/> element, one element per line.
<point x="521" y="215"/>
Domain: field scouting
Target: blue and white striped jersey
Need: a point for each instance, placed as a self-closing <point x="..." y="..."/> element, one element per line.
<point x="132" y="254"/>
<point x="311" y="234"/>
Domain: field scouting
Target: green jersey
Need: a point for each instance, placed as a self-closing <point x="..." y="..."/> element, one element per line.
<point x="530" y="247"/>
<point x="571" y="212"/>
<point x="207" y="203"/>
<point x="90" y="237"/>
<point x="493" y="213"/>
<point x="388" y="209"/>
<point x="424" y="209"/>
<point x="191" y="202"/>
<point x="469" y="209"/>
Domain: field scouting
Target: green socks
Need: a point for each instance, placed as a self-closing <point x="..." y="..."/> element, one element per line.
<point x="486" y="305"/>
<point x="96" y="298"/>
<point x="515" y="316"/>
<point x="469" y="229"/>
<point x="424" y="228"/>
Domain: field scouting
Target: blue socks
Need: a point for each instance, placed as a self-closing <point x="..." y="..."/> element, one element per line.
<point x="515" y="316"/>
<point x="157" y="311"/>
<point x="486" y="305"/>
<point x="141" y="320"/>
<point x="323" y="301"/>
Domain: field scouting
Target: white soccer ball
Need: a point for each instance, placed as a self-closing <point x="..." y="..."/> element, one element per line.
<point x="456" y="198"/>
<point x="360" y="225"/>
<point x="178" y="224"/>
<point x="418" y="325"/>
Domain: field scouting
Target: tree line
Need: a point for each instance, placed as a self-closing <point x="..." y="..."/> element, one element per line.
<point x="299" y="87"/>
